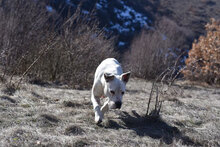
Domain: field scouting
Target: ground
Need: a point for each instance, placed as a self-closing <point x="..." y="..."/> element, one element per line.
<point x="48" y="115"/>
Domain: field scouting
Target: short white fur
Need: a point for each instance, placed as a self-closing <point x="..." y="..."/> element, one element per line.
<point x="109" y="82"/>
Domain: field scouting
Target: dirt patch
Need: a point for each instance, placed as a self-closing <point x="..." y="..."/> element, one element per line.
<point x="74" y="130"/>
<point x="81" y="143"/>
<point x="71" y="104"/>
<point x="50" y="118"/>
<point x="47" y="120"/>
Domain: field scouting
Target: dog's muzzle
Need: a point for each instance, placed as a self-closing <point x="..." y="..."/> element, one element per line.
<point x="118" y="104"/>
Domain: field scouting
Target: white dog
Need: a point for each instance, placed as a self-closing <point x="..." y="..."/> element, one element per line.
<point x="109" y="82"/>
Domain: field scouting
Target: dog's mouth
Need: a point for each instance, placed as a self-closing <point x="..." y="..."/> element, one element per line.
<point x="116" y="105"/>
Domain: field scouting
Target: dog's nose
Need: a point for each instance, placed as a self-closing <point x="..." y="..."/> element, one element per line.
<point x="118" y="104"/>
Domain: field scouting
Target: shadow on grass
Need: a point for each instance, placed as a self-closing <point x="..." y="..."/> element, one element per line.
<point x="7" y="98"/>
<point x="152" y="126"/>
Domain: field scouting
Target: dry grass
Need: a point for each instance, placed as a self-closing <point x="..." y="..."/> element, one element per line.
<point x="54" y="116"/>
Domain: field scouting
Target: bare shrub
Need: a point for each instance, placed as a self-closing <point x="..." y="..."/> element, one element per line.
<point x="203" y="63"/>
<point x="154" y="51"/>
<point x="31" y="44"/>
<point x="75" y="55"/>
<point x="21" y="22"/>
<point x="163" y="88"/>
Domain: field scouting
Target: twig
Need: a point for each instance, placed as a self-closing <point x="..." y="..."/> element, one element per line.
<point x="15" y="69"/>
<point x="151" y="93"/>
<point x="41" y="53"/>
<point x="157" y="95"/>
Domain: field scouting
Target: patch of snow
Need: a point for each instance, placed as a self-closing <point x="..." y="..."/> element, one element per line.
<point x="120" y="43"/>
<point x="106" y="29"/>
<point x="174" y="54"/>
<point x="98" y="6"/>
<point x="49" y="8"/>
<point x="127" y="23"/>
<point x="129" y="16"/>
<point x="138" y="17"/>
<point x="167" y="55"/>
<point x="85" y="12"/>
<point x="164" y="37"/>
<point x="170" y="49"/>
<point x="152" y="28"/>
<point x="102" y="4"/>
<point x="93" y="36"/>
<point x="183" y="59"/>
<point x="123" y="14"/>
<point x="69" y="3"/>
<point x="122" y="2"/>
<point x="120" y="28"/>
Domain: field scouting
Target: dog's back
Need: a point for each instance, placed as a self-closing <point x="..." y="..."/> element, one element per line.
<point x="109" y="65"/>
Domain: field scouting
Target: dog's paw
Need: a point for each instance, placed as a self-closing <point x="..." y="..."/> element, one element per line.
<point x="98" y="120"/>
<point x="98" y="115"/>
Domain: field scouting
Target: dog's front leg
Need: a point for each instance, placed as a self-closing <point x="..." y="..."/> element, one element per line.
<point x="96" y="107"/>
<point x="105" y="107"/>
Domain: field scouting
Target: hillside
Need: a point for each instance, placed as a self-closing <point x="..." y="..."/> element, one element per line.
<point x="49" y="115"/>
<point x="125" y="19"/>
<point x="191" y="14"/>
<point x="51" y="49"/>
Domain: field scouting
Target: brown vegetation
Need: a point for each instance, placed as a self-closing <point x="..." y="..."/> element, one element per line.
<point x="154" y="51"/>
<point x="33" y="43"/>
<point x="203" y="63"/>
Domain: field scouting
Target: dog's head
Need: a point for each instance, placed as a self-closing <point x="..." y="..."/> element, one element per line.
<point x="115" y="88"/>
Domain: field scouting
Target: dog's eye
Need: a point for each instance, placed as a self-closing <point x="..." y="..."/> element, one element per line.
<point x="122" y="93"/>
<point x="112" y="92"/>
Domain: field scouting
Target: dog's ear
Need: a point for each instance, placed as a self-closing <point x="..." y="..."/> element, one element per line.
<point x="109" y="77"/>
<point x="125" y="76"/>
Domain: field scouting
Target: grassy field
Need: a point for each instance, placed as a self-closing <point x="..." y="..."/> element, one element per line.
<point x="48" y="115"/>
